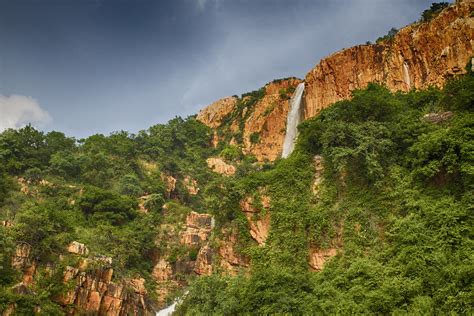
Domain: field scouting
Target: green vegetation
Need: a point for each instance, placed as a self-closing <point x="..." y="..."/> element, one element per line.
<point x="231" y="153"/>
<point x="388" y="37"/>
<point x="243" y="110"/>
<point x="426" y="16"/>
<point x="255" y="138"/>
<point x="433" y="11"/>
<point x="88" y="191"/>
<point x="396" y="200"/>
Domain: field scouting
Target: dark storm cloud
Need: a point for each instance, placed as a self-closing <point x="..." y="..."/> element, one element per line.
<point x="104" y="65"/>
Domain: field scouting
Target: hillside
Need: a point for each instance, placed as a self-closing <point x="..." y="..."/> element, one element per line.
<point x="370" y="214"/>
<point x="423" y="54"/>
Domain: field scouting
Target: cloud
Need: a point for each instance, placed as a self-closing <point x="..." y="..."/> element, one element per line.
<point x="17" y="111"/>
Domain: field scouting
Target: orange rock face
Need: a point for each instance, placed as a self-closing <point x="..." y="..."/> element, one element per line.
<point x="162" y="271"/>
<point x="420" y="55"/>
<point x="170" y="183"/>
<point x="230" y="259"/>
<point x="213" y="114"/>
<point x="220" y="166"/>
<point x="191" y="185"/>
<point x="259" y="220"/>
<point x="318" y="174"/>
<point x="95" y="293"/>
<point x="77" y="248"/>
<point x="317" y="257"/>
<point x="204" y="261"/>
<point x="268" y="120"/>
<point x="198" y="229"/>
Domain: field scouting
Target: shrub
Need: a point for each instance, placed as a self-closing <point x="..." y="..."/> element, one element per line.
<point x="390" y="35"/>
<point x="433" y="11"/>
<point x="231" y="153"/>
<point x="154" y="202"/>
<point x="255" y="138"/>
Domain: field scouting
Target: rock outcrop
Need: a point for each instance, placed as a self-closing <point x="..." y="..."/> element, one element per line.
<point x="231" y="260"/>
<point x="261" y="125"/>
<point x="22" y="261"/>
<point x="191" y="185"/>
<point x="317" y="257"/>
<point x="318" y="174"/>
<point x="198" y="229"/>
<point x="220" y="166"/>
<point x="77" y="248"/>
<point x="420" y="55"/>
<point x="204" y="259"/>
<point x="90" y="286"/>
<point x="268" y="121"/>
<point x="170" y="184"/>
<point x="213" y="114"/>
<point x="94" y="292"/>
<point x="258" y="217"/>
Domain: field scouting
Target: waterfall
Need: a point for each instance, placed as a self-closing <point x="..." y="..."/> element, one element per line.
<point x="406" y="75"/>
<point x="292" y="121"/>
<point x="168" y="310"/>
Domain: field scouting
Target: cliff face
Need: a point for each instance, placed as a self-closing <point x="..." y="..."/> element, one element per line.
<point x="260" y="125"/>
<point x="90" y="286"/>
<point x="213" y="114"/>
<point x="419" y="55"/>
<point x="268" y="120"/>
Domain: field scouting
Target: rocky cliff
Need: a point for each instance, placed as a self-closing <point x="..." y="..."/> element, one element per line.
<point x="419" y="55"/>
<point x="256" y="123"/>
<point x="90" y="288"/>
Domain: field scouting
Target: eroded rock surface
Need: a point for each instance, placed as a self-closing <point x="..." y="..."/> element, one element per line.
<point x="220" y="166"/>
<point x="420" y="55"/>
<point x="258" y="217"/>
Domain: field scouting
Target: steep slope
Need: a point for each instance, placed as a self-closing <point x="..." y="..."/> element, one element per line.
<point x="256" y="121"/>
<point x="419" y="55"/>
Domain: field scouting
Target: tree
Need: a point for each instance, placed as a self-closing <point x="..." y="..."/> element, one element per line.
<point x="433" y="11"/>
<point x="106" y="206"/>
<point x="130" y="185"/>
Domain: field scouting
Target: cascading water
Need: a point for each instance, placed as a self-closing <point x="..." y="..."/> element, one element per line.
<point x="168" y="311"/>
<point x="294" y="118"/>
<point x="406" y="75"/>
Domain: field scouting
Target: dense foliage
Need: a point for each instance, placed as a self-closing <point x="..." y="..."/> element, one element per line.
<point x="55" y="189"/>
<point x="396" y="201"/>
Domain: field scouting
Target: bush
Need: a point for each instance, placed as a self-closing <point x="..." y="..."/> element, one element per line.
<point x="154" y="202"/>
<point x="433" y="11"/>
<point x="390" y="35"/>
<point x="255" y="138"/>
<point x="231" y="153"/>
<point x="106" y="206"/>
<point x="130" y="185"/>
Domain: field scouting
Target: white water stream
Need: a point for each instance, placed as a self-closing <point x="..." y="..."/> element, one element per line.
<point x="168" y="311"/>
<point x="406" y="75"/>
<point x="294" y="118"/>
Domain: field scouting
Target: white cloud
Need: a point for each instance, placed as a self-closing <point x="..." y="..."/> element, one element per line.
<point x="17" y="111"/>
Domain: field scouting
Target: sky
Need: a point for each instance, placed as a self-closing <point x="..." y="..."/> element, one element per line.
<point x="97" y="66"/>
